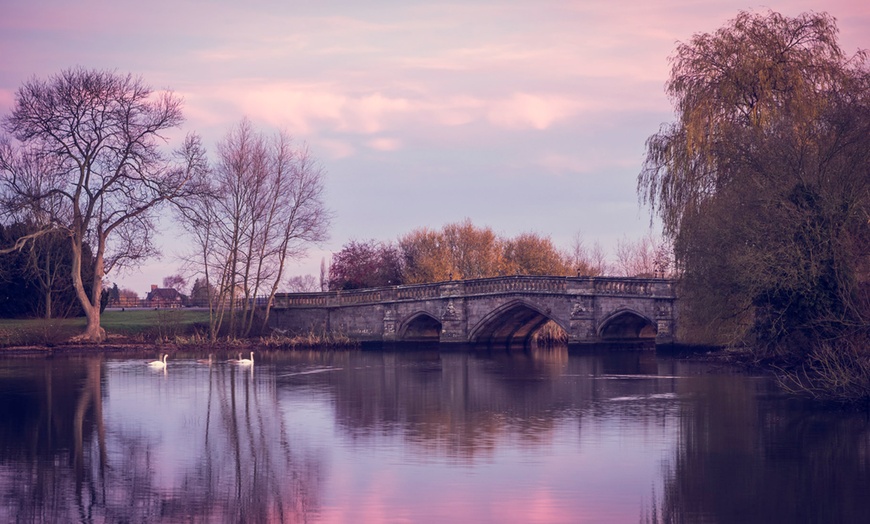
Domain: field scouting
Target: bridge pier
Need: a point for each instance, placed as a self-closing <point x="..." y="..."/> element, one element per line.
<point x="502" y="310"/>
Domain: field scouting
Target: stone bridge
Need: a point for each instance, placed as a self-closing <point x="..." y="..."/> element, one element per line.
<point x="489" y="311"/>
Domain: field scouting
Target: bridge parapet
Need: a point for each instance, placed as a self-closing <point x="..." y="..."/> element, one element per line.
<point x="641" y="287"/>
<point x="418" y="291"/>
<point x="518" y="283"/>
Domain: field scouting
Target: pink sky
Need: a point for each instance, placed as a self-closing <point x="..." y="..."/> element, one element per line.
<point x="521" y="115"/>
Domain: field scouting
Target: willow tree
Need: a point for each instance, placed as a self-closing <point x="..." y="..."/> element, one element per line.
<point x="83" y="158"/>
<point x="763" y="181"/>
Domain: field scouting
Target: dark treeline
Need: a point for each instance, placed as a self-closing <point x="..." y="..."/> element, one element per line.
<point x="36" y="280"/>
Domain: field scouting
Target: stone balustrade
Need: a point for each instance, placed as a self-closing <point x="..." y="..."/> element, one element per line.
<point x="645" y="287"/>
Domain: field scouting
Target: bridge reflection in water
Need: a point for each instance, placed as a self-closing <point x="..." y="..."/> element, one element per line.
<point x="501" y="311"/>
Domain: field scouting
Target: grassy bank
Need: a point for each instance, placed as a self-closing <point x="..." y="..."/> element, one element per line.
<point x="137" y="325"/>
<point x="149" y="326"/>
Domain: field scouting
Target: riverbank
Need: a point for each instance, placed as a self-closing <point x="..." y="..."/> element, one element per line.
<point x="132" y="325"/>
<point x="120" y="345"/>
<point x="143" y="330"/>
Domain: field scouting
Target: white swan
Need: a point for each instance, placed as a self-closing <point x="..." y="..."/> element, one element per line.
<point x="159" y="364"/>
<point x="210" y="360"/>
<point x="246" y="361"/>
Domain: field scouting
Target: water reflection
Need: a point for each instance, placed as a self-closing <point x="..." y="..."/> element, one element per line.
<point x="746" y="455"/>
<point x="207" y="445"/>
<point x="422" y="436"/>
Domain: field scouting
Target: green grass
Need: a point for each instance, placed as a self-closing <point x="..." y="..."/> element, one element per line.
<point x="137" y="323"/>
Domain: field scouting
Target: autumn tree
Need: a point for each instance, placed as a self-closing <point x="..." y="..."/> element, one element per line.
<point x="82" y="157"/>
<point x="263" y="209"/>
<point x="462" y="250"/>
<point x="763" y="182"/>
<point x="534" y="254"/>
<point x="459" y="250"/>
<point x="425" y="256"/>
<point x="475" y="252"/>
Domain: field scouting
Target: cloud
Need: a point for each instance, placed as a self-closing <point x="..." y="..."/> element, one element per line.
<point x="384" y="144"/>
<point x="367" y="114"/>
<point x="303" y="108"/>
<point x="321" y="108"/>
<point x="524" y="110"/>
<point x="7" y="100"/>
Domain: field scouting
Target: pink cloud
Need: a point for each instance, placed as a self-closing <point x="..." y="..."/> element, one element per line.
<point x="7" y="100"/>
<point x="367" y="114"/>
<point x="384" y="144"/>
<point x="302" y="108"/>
<point x="524" y="110"/>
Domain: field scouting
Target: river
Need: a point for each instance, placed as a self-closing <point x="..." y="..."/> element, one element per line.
<point x="420" y="436"/>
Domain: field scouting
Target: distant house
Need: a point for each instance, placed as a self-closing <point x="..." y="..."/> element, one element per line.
<point x="163" y="298"/>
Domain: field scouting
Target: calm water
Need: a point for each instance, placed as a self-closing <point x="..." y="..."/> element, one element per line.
<point x="420" y="436"/>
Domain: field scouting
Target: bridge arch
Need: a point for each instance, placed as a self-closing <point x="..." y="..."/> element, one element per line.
<point x="627" y="324"/>
<point x="511" y="324"/>
<point x="420" y="326"/>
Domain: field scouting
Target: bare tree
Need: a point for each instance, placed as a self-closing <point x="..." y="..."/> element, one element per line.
<point x="599" y="264"/>
<point x="47" y="266"/>
<point x="264" y="208"/>
<point x="649" y="256"/>
<point x="303" y="284"/>
<point x="174" y="282"/>
<point x="96" y="136"/>
<point x="585" y="260"/>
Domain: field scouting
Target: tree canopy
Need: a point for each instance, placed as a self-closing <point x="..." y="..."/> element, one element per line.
<point x="365" y="264"/>
<point x="458" y="250"/>
<point x="763" y="182"/>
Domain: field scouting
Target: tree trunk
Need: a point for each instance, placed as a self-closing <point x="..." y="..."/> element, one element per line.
<point x="93" y="331"/>
<point x="48" y="304"/>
